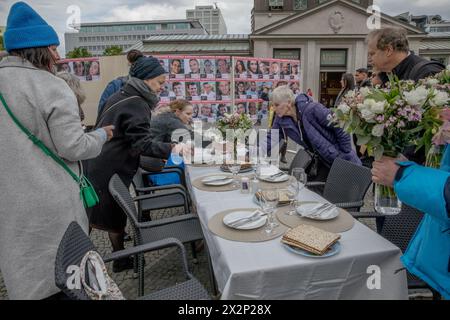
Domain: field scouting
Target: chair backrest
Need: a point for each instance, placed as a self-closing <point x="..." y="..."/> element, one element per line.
<point x="301" y="160"/>
<point x="400" y="229"/>
<point x="138" y="180"/>
<point x="72" y="248"/>
<point x="347" y="182"/>
<point x="122" y="196"/>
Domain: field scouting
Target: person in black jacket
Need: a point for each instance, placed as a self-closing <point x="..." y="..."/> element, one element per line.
<point x="129" y="110"/>
<point x="388" y="50"/>
<point x="389" y="53"/>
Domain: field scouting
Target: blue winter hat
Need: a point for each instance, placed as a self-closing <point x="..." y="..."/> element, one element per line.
<point x="26" y="29"/>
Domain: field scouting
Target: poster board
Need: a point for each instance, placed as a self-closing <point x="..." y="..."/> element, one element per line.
<point x="85" y="69"/>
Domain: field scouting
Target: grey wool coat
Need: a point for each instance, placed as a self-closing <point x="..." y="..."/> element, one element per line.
<point x="38" y="199"/>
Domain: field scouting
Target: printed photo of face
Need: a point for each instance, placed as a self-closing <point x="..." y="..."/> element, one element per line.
<point x="94" y="69"/>
<point x="64" y="67"/>
<point x="274" y="68"/>
<point x="223" y="67"/>
<point x="175" y="66"/>
<point x="252" y="109"/>
<point x="240" y="89"/>
<point x="207" y="111"/>
<point x="194" y="66"/>
<point x="264" y="67"/>
<point x="241" y="108"/>
<point x="295" y="69"/>
<point x="163" y="64"/>
<point x="285" y="69"/>
<point x="224" y="88"/>
<point x="193" y="89"/>
<point x="207" y="88"/>
<point x="178" y="89"/>
<point x="252" y="66"/>
<point x="78" y="68"/>
<point x="221" y="110"/>
<point x="208" y="67"/>
<point x="240" y="67"/>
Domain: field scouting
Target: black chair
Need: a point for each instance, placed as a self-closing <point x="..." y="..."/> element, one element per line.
<point x="186" y="228"/>
<point x="302" y="159"/>
<point x="346" y="185"/>
<point x="399" y="229"/>
<point x="161" y="197"/>
<point x="75" y="244"/>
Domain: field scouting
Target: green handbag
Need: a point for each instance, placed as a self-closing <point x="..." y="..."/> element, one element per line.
<point x="87" y="191"/>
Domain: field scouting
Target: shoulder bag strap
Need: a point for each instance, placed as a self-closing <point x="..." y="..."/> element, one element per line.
<point x="38" y="142"/>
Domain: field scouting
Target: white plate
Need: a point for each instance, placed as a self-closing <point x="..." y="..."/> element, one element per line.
<point x="278" y="179"/>
<point x="335" y="249"/>
<point x="242" y="214"/>
<point x="209" y="181"/>
<point x="306" y="208"/>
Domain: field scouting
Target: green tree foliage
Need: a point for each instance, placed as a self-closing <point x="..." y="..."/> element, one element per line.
<point x="113" y="51"/>
<point x="79" y="53"/>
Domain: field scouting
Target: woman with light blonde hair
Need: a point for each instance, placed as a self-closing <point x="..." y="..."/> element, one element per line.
<point x="75" y="85"/>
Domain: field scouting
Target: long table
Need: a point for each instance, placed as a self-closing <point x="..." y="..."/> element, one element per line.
<point x="368" y="266"/>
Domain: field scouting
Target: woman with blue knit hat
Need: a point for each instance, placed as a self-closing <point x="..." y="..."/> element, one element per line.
<point x="39" y="199"/>
<point x="129" y="110"/>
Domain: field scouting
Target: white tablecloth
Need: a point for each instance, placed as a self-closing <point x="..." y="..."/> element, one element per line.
<point x="268" y="271"/>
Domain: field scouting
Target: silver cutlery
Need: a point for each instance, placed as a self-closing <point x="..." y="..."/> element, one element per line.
<point x="256" y="215"/>
<point x="328" y="206"/>
<point x="244" y="222"/>
<point x="217" y="180"/>
<point x="312" y="213"/>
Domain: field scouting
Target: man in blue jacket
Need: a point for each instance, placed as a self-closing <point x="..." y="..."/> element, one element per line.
<point x="428" y="190"/>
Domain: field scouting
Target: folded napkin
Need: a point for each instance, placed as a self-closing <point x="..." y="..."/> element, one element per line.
<point x="269" y="171"/>
<point x="283" y="198"/>
<point x="310" y="239"/>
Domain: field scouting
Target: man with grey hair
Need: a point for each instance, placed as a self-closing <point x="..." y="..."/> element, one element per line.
<point x="388" y="52"/>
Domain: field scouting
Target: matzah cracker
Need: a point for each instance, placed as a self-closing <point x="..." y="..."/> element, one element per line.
<point x="310" y="239"/>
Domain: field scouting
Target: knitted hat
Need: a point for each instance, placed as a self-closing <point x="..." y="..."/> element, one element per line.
<point x="146" y="68"/>
<point x="26" y="29"/>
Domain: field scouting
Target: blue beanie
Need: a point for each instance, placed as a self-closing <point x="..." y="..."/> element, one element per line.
<point x="26" y="29"/>
<point x="146" y="68"/>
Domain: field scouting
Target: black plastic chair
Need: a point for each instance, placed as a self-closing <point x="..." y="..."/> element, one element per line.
<point x="302" y="159"/>
<point x="399" y="229"/>
<point x="346" y="185"/>
<point x="186" y="228"/>
<point x="75" y="244"/>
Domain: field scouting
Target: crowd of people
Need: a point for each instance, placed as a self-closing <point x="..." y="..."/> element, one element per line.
<point x="42" y="199"/>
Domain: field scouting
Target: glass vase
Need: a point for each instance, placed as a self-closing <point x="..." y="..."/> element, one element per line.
<point x="434" y="157"/>
<point x="386" y="201"/>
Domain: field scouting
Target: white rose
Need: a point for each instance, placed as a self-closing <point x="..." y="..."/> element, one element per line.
<point x="432" y="82"/>
<point x="344" y="108"/>
<point x="364" y="91"/>
<point x="417" y="97"/>
<point x="367" y="115"/>
<point x="350" y="94"/>
<point x="440" y="99"/>
<point x="448" y="67"/>
<point x="378" y="107"/>
<point x="378" y="130"/>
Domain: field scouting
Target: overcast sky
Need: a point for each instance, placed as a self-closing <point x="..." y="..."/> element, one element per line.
<point x="237" y="13"/>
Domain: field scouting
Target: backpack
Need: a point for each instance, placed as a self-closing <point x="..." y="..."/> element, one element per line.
<point x="414" y="72"/>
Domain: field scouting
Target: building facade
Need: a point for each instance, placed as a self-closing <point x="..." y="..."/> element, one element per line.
<point x="210" y="17"/>
<point x="328" y="37"/>
<point x="207" y="45"/>
<point x="96" y="37"/>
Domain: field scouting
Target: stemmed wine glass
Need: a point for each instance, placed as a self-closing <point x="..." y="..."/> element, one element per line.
<point x="293" y="190"/>
<point x="302" y="178"/>
<point x="269" y="203"/>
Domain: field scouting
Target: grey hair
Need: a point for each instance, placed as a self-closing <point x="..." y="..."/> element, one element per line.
<point x="283" y="94"/>
<point x="74" y="84"/>
<point x="395" y="37"/>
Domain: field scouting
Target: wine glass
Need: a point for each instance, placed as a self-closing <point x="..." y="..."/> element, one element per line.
<point x="235" y="167"/>
<point x="293" y="190"/>
<point x="269" y="203"/>
<point x="300" y="175"/>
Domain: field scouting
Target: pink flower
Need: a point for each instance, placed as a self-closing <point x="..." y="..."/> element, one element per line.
<point x="445" y="114"/>
<point x="443" y="136"/>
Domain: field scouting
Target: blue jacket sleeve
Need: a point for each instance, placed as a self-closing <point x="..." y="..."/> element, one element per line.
<point x="425" y="189"/>
<point x="112" y="87"/>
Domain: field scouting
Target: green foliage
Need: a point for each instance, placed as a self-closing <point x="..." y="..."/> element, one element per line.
<point x="1" y="44"/>
<point x="113" y="51"/>
<point x="79" y="53"/>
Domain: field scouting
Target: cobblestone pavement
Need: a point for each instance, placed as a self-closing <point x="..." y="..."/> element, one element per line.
<point x="163" y="267"/>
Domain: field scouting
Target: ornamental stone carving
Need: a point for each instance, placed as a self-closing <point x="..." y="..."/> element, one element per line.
<point x="336" y="21"/>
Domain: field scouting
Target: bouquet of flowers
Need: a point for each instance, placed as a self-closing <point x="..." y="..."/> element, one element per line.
<point x="387" y="120"/>
<point x="438" y="122"/>
<point x="236" y="122"/>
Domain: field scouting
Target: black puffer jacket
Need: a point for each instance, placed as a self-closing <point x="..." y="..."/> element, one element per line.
<point x="129" y="110"/>
<point x="165" y="124"/>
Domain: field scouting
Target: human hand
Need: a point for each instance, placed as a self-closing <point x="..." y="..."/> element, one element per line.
<point x="109" y="132"/>
<point x="385" y="170"/>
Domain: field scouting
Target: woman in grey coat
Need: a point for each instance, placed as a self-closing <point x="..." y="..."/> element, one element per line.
<point x="38" y="198"/>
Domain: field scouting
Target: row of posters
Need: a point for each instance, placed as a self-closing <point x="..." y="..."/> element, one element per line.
<point x="223" y="79"/>
<point x="208" y="112"/>
<point x="87" y="69"/>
